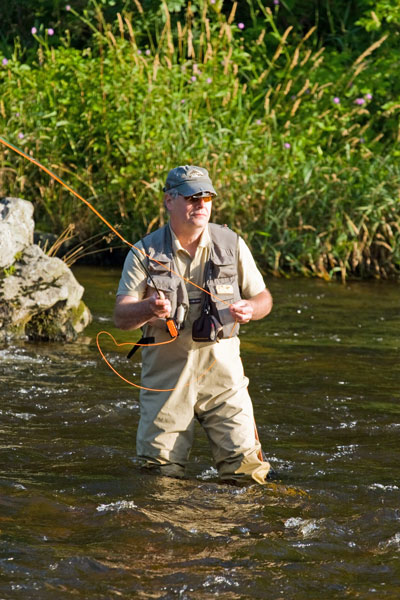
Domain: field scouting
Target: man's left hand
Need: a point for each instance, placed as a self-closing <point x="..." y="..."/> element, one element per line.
<point x="242" y="311"/>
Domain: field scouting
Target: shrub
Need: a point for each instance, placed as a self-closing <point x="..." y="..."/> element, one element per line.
<point x="301" y="147"/>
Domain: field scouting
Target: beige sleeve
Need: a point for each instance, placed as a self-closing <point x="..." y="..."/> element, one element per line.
<point x="250" y="279"/>
<point x="133" y="280"/>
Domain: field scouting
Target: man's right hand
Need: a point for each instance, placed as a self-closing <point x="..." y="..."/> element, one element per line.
<point x="159" y="306"/>
<point x="130" y="313"/>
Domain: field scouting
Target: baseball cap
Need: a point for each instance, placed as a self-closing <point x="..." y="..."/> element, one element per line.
<point x="189" y="181"/>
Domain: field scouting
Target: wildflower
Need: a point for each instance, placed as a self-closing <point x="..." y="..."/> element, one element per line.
<point x="183" y="101"/>
<point x="276" y="2"/>
<point x="368" y="96"/>
<point x="212" y="1"/>
<point x="193" y="78"/>
<point x="258" y="122"/>
<point x="4" y="61"/>
<point x="68" y="7"/>
<point x="139" y="51"/>
<point x="50" y="31"/>
<point x="336" y="100"/>
<point x="241" y="25"/>
<point x="33" y="30"/>
<point x="21" y="136"/>
<point x="148" y="52"/>
<point x="287" y="145"/>
<point x="209" y="79"/>
<point x="359" y="101"/>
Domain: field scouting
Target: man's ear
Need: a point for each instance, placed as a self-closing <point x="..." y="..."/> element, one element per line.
<point x="168" y="201"/>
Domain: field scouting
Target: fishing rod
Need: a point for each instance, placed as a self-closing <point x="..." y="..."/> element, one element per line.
<point x="169" y="321"/>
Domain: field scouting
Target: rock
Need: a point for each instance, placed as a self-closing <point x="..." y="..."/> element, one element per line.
<point x="39" y="295"/>
<point x="16" y="228"/>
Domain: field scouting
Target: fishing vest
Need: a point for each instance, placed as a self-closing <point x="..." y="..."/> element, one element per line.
<point x="220" y="273"/>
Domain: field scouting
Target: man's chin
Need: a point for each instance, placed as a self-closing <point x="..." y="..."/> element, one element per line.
<point x="200" y="221"/>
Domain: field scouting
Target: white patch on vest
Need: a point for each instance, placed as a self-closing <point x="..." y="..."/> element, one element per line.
<point x="224" y="288"/>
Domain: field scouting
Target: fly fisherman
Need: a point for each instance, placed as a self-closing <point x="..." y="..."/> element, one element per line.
<point x="202" y="366"/>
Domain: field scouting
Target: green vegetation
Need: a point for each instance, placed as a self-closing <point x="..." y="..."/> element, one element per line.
<point x="300" y="139"/>
<point x="8" y="271"/>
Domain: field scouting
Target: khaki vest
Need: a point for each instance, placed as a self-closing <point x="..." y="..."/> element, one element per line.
<point x="221" y="273"/>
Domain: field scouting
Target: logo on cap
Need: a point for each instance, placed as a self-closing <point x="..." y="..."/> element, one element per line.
<point x="192" y="173"/>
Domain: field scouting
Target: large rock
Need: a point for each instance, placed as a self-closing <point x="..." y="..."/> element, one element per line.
<point x="16" y="228"/>
<point x="39" y="296"/>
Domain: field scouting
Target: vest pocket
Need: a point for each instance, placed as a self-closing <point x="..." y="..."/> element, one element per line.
<point x="167" y="284"/>
<point x="222" y="271"/>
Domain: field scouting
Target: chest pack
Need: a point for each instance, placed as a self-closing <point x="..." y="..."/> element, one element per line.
<point x="220" y="277"/>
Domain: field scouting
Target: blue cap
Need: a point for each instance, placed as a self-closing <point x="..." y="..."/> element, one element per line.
<point x="189" y="180"/>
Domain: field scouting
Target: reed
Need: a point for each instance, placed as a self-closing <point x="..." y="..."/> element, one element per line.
<point x="306" y="166"/>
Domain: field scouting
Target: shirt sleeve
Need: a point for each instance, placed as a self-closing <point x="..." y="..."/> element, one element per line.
<point x="133" y="280"/>
<point x="250" y="279"/>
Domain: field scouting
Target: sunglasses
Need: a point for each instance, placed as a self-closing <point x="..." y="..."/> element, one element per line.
<point x="192" y="199"/>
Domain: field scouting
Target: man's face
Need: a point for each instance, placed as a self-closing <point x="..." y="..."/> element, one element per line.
<point x="189" y="213"/>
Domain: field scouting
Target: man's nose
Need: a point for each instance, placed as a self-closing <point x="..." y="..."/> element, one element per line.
<point x="202" y="201"/>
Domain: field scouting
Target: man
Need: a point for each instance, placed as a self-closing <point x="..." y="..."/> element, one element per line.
<point x="201" y="379"/>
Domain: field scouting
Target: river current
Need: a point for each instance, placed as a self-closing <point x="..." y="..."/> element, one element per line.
<point x="78" y="519"/>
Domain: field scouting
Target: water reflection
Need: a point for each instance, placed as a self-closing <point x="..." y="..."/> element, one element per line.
<point x="79" y="518"/>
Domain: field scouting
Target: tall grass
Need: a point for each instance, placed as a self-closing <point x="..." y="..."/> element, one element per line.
<point x="304" y="158"/>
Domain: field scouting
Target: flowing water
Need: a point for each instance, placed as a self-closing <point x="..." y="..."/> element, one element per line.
<point x="79" y="520"/>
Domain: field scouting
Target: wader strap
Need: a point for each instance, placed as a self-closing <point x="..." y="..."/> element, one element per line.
<point x="143" y="340"/>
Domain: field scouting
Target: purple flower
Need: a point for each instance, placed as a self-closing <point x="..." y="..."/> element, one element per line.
<point x="33" y="30"/>
<point x="276" y="2"/>
<point x="139" y="52"/>
<point x="4" y="61"/>
<point x="193" y="78"/>
<point x="50" y="31"/>
<point x="359" y="101"/>
<point x="21" y="136"/>
<point x="241" y="25"/>
<point x="368" y="96"/>
<point x="212" y="1"/>
<point x="287" y="145"/>
<point x="68" y="7"/>
<point x="336" y="100"/>
<point x="209" y="79"/>
<point x="17" y="114"/>
<point x="183" y="101"/>
<point x="258" y="122"/>
<point x="148" y="52"/>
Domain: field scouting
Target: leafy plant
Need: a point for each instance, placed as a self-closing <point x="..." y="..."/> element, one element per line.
<point x="302" y="143"/>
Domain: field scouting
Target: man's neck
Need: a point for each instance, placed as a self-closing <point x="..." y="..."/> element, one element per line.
<point x="189" y="239"/>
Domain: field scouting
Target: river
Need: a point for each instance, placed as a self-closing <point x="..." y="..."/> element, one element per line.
<point x="79" y="520"/>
